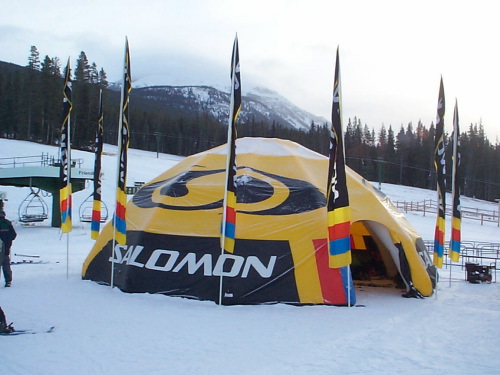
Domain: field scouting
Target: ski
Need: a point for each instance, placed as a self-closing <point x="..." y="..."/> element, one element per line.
<point x="27" y="256"/>
<point x="24" y="261"/>
<point x="18" y="332"/>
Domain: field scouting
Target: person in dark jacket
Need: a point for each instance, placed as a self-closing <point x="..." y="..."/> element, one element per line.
<point x="7" y="235"/>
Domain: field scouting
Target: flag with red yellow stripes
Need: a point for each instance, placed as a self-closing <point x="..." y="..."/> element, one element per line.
<point x="96" y="205"/>
<point x="120" y="222"/>
<point x="456" y="222"/>
<point x="439" y="163"/>
<point x="229" y="206"/>
<point x="65" y="198"/>
<point x="338" y="210"/>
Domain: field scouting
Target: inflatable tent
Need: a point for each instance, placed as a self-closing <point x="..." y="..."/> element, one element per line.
<point x="280" y="255"/>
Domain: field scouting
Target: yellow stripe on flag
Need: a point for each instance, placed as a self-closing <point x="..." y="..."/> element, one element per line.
<point x="339" y="216"/>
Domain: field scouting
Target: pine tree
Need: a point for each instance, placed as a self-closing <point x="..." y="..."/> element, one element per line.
<point x="31" y="108"/>
<point x="93" y="74"/>
<point x="50" y="85"/>
<point x="82" y="69"/>
<point x="391" y="162"/>
<point x="34" y="59"/>
<point x="103" y="79"/>
<point x="382" y="138"/>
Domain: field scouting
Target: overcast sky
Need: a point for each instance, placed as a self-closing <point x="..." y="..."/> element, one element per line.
<point x="392" y="53"/>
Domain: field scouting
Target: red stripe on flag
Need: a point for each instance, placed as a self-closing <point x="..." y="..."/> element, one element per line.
<point x="330" y="278"/>
<point x="340" y="230"/>
<point x="230" y="215"/>
<point x="64" y="205"/>
<point x="455" y="234"/>
<point x="439" y="235"/>
<point x="120" y="210"/>
<point x="96" y="215"/>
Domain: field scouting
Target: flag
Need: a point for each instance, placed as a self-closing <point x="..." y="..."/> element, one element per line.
<point x="338" y="210"/>
<point x="65" y="170"/>
<point x="119" y="221"/>
<point x="229" y="206"/>
<point x="456" y="222"/>
<point x="96" y="206"/>
<point x="439" y="163"/>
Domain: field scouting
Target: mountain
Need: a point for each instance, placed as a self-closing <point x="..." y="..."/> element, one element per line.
<point x="259" y="104"/>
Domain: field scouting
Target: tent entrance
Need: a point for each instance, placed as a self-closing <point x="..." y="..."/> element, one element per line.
<point x="372" y="263"/>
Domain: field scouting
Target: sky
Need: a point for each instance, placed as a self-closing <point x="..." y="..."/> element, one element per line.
<point x="392" y="53"/>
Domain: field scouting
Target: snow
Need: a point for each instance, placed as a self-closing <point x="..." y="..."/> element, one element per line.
<point x="268" y="147"/>
<point x="99" y="330"/>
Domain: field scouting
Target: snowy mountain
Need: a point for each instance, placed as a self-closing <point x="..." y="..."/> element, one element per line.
<point x="259" y="104"/>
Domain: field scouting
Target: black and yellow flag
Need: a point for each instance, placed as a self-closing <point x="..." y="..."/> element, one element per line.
<point x="96" y="206"/>
<point x="440" y="165"/>
<point x="338" y="210"/>
<point x="119" y="221"/>
<point x="229" y="208"/>
<point x="65" y="198"/>
<point x="456" y="223"/>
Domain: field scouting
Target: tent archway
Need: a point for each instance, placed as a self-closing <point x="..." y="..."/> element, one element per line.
<point x="376" y="258"/>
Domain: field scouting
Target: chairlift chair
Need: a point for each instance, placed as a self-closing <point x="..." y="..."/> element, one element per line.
<point x="33" y="208"/>
<point x="86" y="207"/>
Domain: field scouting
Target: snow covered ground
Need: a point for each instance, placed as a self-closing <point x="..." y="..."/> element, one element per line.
<point x="103" y="331"/>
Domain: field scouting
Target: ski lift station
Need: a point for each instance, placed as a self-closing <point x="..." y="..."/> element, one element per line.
<point x="41" y="175"/>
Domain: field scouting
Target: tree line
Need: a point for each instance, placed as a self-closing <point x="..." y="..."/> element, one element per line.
<point x="31" y="103"/>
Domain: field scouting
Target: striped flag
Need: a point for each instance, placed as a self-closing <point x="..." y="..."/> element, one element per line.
<point x="65" y="198"/>
<point x="119" y="221"/>
<point x="229" y="207"/>
<point x="439" y="163"/>
<point x="96" y="206"/>
<point x="338" y="210"/>
<point x="456" y="223"/>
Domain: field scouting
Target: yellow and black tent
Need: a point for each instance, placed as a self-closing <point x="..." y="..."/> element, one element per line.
<point x="280" y="254"/>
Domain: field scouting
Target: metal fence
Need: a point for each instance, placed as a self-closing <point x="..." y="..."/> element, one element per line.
<point x="430" y="206"/>
<point x="44" y="160"/>
<point x="484" y="253"/>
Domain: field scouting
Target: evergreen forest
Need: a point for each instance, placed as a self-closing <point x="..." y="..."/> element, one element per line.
<point x="31" y="104"/>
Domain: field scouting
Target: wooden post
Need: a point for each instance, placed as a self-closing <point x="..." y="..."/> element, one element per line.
<point x="498" y="217"/>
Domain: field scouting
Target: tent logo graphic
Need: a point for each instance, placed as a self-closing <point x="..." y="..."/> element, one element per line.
<point x="227" y="265"/>
<point x="256" y="191"/>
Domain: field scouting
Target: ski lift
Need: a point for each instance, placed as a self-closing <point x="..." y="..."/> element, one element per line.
<point x="33" y="208"/>
<point x="86" y="207"/>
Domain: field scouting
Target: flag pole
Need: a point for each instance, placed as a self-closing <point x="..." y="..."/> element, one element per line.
<point x="451" y="264"/>
<point x="440" y="166"/>
<point x="97" y="193"/>
<point x="453" y="158"/>
<point x="65" y="197"/>
<point x="337" y="196"/>
<point x="455" y="238"/>
<point x="224" y="216"/>
<point x="70" y="197"/>
<point x="121" y="164"/>
<point x="229" y="201"/>
<point x="120" y="125"/>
